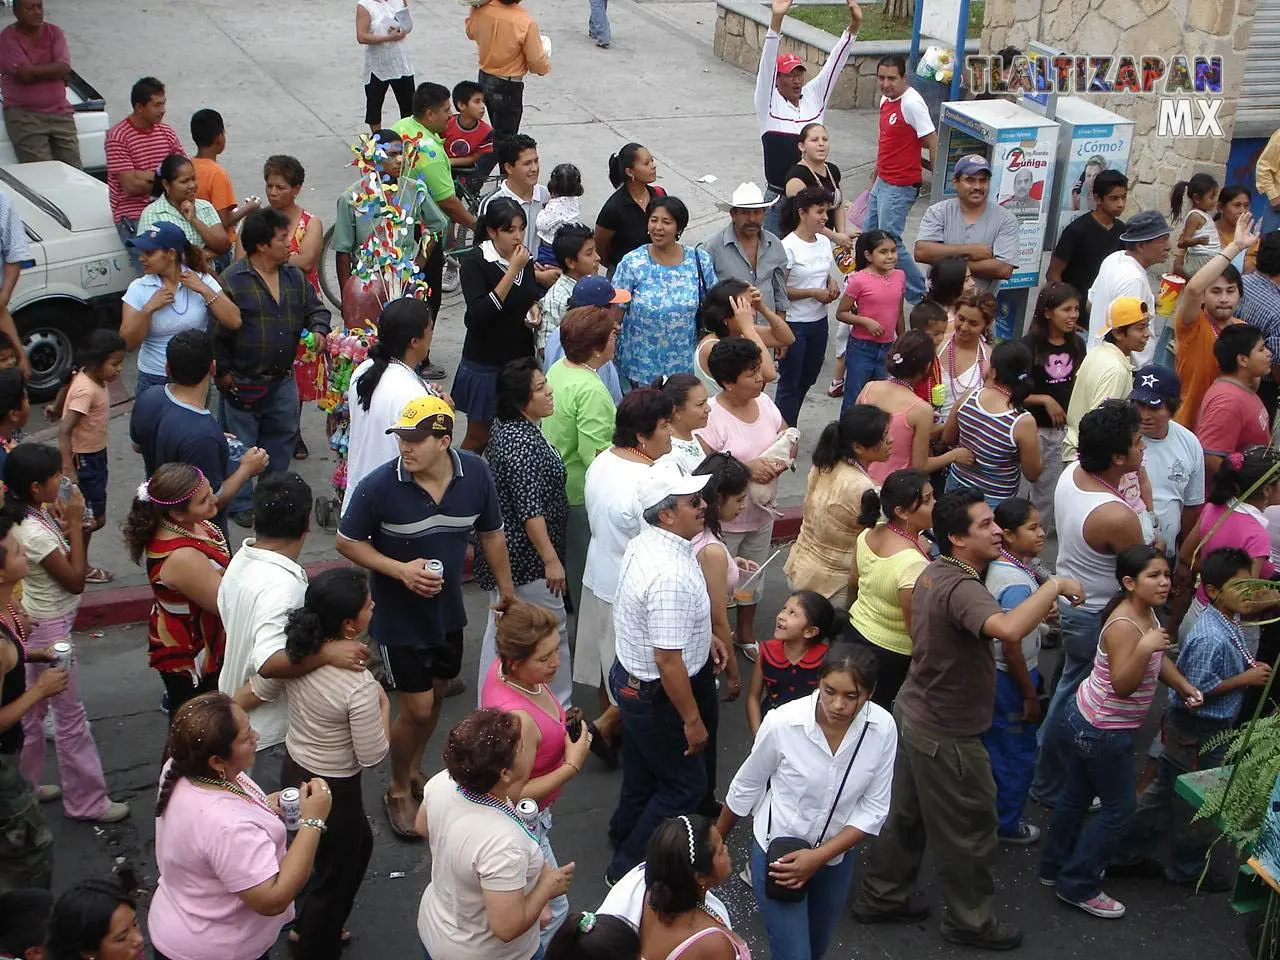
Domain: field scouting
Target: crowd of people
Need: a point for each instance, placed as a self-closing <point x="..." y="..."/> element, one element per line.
<point x="614" y="492"/>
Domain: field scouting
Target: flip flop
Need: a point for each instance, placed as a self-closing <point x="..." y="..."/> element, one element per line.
<point x="98" y="575"/>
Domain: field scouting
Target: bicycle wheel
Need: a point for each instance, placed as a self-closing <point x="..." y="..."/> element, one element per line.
<point x="328" y="269"/>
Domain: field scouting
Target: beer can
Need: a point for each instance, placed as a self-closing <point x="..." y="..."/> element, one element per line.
<point x="291" y="807"/>
<point x="63" y="654"/>
<point x="527" y="810"/>
<point x="436" y="567"/>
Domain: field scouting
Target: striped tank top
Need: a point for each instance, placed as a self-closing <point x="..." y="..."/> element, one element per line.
<point x="997" y="467"/>
<point x="1097" y="698"/>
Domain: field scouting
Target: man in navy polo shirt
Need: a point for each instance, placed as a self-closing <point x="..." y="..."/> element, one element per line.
<point x="425" y="504"/>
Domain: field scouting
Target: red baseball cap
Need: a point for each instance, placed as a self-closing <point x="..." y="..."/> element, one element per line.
<point x="788" y="62"/>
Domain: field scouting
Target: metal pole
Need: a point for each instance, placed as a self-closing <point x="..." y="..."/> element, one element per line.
<point x="962" y="34"/>
<point x="917" y="20"/>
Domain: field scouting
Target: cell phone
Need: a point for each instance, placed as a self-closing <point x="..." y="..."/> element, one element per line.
<point x="573" y="726"/>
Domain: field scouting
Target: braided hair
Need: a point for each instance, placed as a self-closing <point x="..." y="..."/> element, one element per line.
<point x="204" y="728"/>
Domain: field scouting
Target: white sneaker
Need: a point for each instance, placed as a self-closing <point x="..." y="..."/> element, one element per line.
<point x="116" y="811"/>
<point x="1101" y="905"/>
<point x="48" y="792"/>
<point x="745" y="875"/>
<point x="749" y="650"/>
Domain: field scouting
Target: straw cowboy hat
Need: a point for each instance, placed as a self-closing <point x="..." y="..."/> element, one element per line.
<point x="747" y="196"/>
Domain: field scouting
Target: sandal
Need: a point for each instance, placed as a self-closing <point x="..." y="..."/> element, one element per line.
<point x="300" y="451"/>
<point x="836" y="389"/>
<point x="98" y="575"/>
<point x="400" y="819"/>
<point x="294" y="939"/>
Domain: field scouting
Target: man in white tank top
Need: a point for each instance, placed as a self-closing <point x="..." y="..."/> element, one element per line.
<point x="1094" y="524"/>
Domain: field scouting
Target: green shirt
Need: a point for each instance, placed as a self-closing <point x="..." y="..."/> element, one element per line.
<point x="432" y="166"/>
<point x="582" y="424"/>
<point x="351" y="231"/>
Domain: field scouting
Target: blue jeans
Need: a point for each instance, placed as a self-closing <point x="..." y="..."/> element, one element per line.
<point x="1011" y="745"/>
<point x="1271" y="220"/>
<point x="773" y="216"/>
<point x="863" y="362"/>
<point x="1079" y="646"/>
<point x="273" y="425"/>
<point x="802" y="931"/>
<point x="887" y="209"/>
<point x="658" y="780"/>
<point x="126" y="230"/>
<point x="598" y="23"/>
<point x="559" y="905"/>
<point x="1099" y="763"/>
<point x="146" y="381"/>
<point x="798" y="370"/>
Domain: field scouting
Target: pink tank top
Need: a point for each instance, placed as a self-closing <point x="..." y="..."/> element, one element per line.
<point x="902" y="433"/>
<point x="740" y="950"/>
<point x="1102" y="706"/>
<point x="550" y="753"/>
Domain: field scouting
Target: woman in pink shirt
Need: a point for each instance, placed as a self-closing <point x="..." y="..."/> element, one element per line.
<point x="528" y="646"/>
<point x="227" y="885"/>
<point x="743" y="421"/>
<point x="872" y="306"/>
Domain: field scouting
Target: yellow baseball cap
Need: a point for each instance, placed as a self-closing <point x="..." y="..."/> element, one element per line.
<point x="425" y="415"/>
<point x="1126" y="311"/>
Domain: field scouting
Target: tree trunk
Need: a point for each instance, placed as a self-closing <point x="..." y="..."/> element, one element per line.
<point x="900" y="10"/>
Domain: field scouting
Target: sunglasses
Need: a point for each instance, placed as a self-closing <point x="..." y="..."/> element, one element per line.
<point x="696" y="500"/>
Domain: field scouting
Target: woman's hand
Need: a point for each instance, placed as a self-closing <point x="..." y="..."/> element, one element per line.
<point x="1155" y="640"/>
<point x="188" y="210"/>
<point x="316" y="800"/>
<point x="191" y="280"/>
<point x="576" y="751"/>
<point x="744" y="315"/>
<point x="558" y="881"/>
<point x="872" y="325"/>
<point x="1193" y="699"/>
<point x="520" y="258"/>
<point x="745" y="565"/>
<point x="796" y="868"/>
<point x="159" y="300"/>
<point x="963" y="456"/>
<point x="74" y="508"/>
<point x="51" y="682"/>
<point x="833" y="291"/>
<point x="842" y="240"/>
<point x="1054" y="409"/>
<point x="766" y="471"/>
<point x="346" y="654"/>
<point x="555" y="576"/>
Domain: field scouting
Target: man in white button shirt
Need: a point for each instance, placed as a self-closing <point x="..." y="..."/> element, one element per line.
<point x="663" y="679"/>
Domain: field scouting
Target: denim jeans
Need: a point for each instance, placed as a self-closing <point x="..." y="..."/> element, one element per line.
<point x="1099" y="763"/>
<point x="504" y="99"/>
<point x="126" y="230"/>
<point x="559" y="905"/>
<point x="773" y="216"/>
<point x="802" y="931"/>
<point x="863" y="362"/>
<point x="798" y="370"/>
<point x="1271" y="220"/>
<point x="1079" y="646"/>
<point x="658" y="780"/>
<point x="272" y="426"/>
<point x="887" y="209"/>
<point x="598" y="22"/>
<point x="1011" y="745"/>
<point x="146" y="381"/>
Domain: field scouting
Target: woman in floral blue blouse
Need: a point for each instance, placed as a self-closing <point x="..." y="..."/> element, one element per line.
<point x="530" y="477"/>
<point x="667" y="281"/>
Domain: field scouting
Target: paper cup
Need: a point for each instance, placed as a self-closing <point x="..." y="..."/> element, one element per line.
<point x="1170" y="290"/>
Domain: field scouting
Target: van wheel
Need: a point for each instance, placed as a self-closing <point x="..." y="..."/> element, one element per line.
<point x="49" y="334"/>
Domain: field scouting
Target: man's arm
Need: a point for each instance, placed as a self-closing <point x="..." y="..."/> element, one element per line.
<point x="767" y="72"/>
<point x="534" y="53"/>
<point x="676" y="685"/>
<point x="1004" y="253"/>
<point x="824" y="82"/>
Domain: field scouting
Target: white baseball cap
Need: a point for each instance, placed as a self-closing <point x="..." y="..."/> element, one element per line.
<point x="666" y="481"/>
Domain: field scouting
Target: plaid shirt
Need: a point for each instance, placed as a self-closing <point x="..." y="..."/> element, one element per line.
<point x="267" y="341"/>
<point x="1213" y="652"/>
<point x="1260" y="307"/>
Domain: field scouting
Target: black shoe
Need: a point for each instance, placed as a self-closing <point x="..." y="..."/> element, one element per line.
<point x="913" y="911"/>
<point x="455" y="687"/>
<point x="243" y="518"/>
<point x="1144" y="869"/>
<point x="300" y="451"/>
<point x="431" y="371"/>
<point x="998" y="936"/>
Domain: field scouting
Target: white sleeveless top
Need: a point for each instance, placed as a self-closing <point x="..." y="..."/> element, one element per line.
<point x="1095" y="571"/>
<point x="386" y="61"/>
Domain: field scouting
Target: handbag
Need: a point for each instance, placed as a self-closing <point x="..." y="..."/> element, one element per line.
<point x="246" y="393"/>
<point x="781" y="846"/>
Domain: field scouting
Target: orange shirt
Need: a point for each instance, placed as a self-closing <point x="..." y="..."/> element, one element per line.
<point x="508" y="41"/>
<point x="213" y="183"/>
<point x="89" y="399"/>
<point x="1197" y="366"/>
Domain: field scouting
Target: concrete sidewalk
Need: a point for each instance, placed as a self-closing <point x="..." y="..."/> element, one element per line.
<point x="286" y="78"/>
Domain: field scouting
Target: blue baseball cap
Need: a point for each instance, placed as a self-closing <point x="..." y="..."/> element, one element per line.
<point x="1154" y="386"/>
<point x="597" y="291"/>
<point x="161" y="235"/>
<point x="972" y="163"/>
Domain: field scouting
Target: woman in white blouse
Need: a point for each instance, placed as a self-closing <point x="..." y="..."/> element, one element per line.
<point x="820" y="770"/>
<point x="381" y="27"/>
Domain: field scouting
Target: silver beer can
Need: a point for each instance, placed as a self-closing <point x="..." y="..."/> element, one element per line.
<point x="527" y="810"/>
<point x="436" y="567"/>
<point x="64" y="654"/>
<point x="291" y="807"/>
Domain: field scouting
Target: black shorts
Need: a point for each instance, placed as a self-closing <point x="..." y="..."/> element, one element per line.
<point x="91" y="476"/>
<point x="413" y="669"/>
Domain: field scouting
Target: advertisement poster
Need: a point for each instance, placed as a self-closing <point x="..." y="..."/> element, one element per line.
<point x="1092" y="149"/>
<point x="1021" y="173"/>
<point x="958" y="145"/>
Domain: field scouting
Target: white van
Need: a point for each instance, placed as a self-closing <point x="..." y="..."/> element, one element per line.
<point x="92" y="124"/>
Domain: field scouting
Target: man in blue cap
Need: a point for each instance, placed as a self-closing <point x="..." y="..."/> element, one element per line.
<point x="967" y="226"/>
<point x="1173" y="456"/>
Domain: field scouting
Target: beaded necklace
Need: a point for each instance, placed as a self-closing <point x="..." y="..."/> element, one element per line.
<point x="702" y="905"/>
<point x="963" y="566"/>
<point x="43" y="518"/>
<point x="893" y="527"/>
<point x="1237" y="639"/>
<point x="217" y="539"/>
<point x="1112" y="489"/>
<point x="980" y="363"/>
<point x="638" y="452"/>
<point x="14" y="621"/>
<point x="1008" y="557"/>
<point x="488" y="800"/>
<point x="903" y="383"/>
<point x="232" y="787"/>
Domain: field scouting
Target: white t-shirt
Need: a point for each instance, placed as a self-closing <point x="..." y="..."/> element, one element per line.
<point x="42" y="596"/>
<point x="615" y="517"/>
<point x="1176" y="468"/>
<point x="808" y="265"/>
<point x="1122" y="276"/>
<point x="473" y="848"/>
<point x="259" y="589"/>
<point x="626" y="899"/>
<point x="369" y="445"/>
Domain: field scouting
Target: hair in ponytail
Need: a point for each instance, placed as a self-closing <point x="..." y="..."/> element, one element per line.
<point x="903" y="490"/>
<point x="1130" y="562"/>
<point x="204" y="728"/>
<point x="729" y="477"/>
<point x="1011" y="364"/>
<point x="590" y="936"/>
<point x="911" y="356"/>
<point x="400" y="323"/>
<point x="863" y="425"/>
<point x="822" y="616"/>
<point x="679" y="852"/>
<point x="622" y="161"/>
<point x="1239" y="472"/>
<point x="1193" y="189"/>
<point x="27" y="465"/>
<point x="169" y="490"/>
<point x="333" y="597"/>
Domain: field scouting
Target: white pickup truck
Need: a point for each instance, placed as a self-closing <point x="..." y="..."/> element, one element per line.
<point x="92" y="124"/>
<point x="78" y="269"/>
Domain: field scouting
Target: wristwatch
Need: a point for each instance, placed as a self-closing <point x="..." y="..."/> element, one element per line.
<point x="312" y="822"/>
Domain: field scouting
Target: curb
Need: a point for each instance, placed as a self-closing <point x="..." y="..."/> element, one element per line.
<point x="122" y="605"/>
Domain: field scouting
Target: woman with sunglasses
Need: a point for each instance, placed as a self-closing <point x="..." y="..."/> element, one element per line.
<point x="786" y="782"/>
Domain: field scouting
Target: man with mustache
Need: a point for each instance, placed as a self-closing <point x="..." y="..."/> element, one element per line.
<point x="966" y="226"/>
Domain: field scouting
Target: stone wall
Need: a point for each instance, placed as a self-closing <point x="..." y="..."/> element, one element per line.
<point x="741" y="27"/>
<point x="1141" y="27"/>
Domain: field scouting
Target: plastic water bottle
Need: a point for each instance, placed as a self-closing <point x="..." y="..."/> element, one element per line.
<point x="64" y="494"/>
<point x="235" y="451"/>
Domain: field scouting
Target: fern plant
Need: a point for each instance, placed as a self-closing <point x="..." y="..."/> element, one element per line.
<point x="1239" y="801"/>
